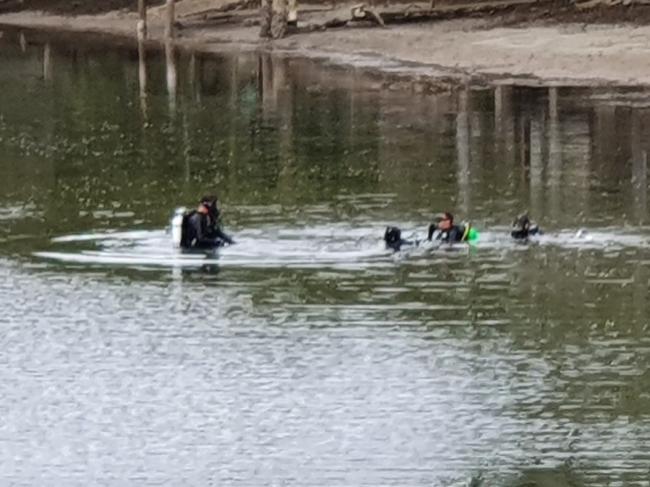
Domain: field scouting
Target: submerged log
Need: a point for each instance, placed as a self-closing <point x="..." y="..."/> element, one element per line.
<point x="276" y="16"/>
<point x="361" y="12"/>
<point x="423" y="12"/>
<point x="332" y="24"/>
<point x="228" y="7"/>
<point x="584" y="5"/>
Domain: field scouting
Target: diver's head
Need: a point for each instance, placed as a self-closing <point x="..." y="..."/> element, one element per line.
<point x="393" y="237"/>
<point x="444" y="221"/>
<point x="521" y="226"/>
<point x="522" y="222"/>
<point x="209" y="205"/>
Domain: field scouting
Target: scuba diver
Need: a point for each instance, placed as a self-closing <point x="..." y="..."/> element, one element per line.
<point x="450" y="233"/>
<point x="200" y="228"/>
<point x="447" y="232"/>
<point x="523" y="227"/>
<point x="393" y="239"/>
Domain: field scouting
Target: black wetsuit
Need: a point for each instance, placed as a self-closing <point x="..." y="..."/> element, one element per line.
<point x="394" y="240"/>
<point x="523" y="227"/>
<point x="524" y="233"/>
<point x="455" y="234"/>
<point x="201" y="231"/>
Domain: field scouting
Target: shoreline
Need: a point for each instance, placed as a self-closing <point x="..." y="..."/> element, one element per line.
<point x="468" y="50"/>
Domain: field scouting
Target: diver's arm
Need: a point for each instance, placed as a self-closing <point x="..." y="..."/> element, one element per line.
<point x="221" y="235"/>
<point x="432" y="229"/>
<point x="401" y="243"/>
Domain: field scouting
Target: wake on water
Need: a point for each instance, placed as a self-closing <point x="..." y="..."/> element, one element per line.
<point x="319" y="246"/>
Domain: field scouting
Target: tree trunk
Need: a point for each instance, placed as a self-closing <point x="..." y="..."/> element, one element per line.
<point x="142" y="12"/>
<point x="279" y="19"/>
<point x="292" y="9"/>
<point x="265" y="19"/>
<point x="169" y="20"/>
<point x="273" y="22"/>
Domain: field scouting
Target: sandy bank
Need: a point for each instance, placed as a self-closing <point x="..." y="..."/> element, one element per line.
<point x="562" y="54"/>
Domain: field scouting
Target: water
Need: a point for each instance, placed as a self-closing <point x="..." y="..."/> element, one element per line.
<point x="307" y="354"/>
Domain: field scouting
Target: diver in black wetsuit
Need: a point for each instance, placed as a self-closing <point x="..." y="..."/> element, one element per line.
<point x="447" y="231"/>
<point x="523" y="227"/>
<point x="393" y="239"/>
<point x="201" y="228"/>
<point x="444" y="230"/>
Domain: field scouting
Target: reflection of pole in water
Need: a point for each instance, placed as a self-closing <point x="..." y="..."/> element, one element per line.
<point x="265" y="80"/>
<point x="463" y="151"/>
<point x="170" y="62"/>
<point x="277" y="103"/>
<point x="142" y="71"/>
<point x="353" y="106"/>
<point x="234" y="82"/>
<point x="605" y="136"/>
<point x="536" y="154"/>
<point x="48" y="69"/>
<point x="170" y="59"/>
<point x="552" y="103"/>
<point x="23" y="42"/>
<point x="524" y="140"/>
<point x="504" y="125"/>
<point x="193" y="71"/>
<point x="640" y="196"/>
<point x="554" y="153"/>
<point x="503" y="114"/>
<point x="639" y="168"/>
<point x="642" y="183"/>
<point x="186" y="147"/>
<point x="279" y="79"/>
<point x="232" y="64"/>
<point x="283" y="96"/>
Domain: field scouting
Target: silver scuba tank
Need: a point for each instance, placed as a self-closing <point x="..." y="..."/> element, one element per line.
<point x="177" y="226"/>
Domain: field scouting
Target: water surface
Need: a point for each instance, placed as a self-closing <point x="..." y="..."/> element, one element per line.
<point x="307" y="354"/>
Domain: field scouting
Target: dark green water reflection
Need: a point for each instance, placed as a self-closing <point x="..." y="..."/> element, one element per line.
<point x="308" y="355"/>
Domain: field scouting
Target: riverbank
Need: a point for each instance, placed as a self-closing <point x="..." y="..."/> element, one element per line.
<point x="503" y="49"/>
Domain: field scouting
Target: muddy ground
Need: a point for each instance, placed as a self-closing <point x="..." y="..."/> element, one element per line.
<point x="558" y="11"/>
<point x="542" y="42"/>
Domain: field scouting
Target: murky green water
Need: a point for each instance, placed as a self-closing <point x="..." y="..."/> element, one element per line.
<point x="308" y="354"/>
